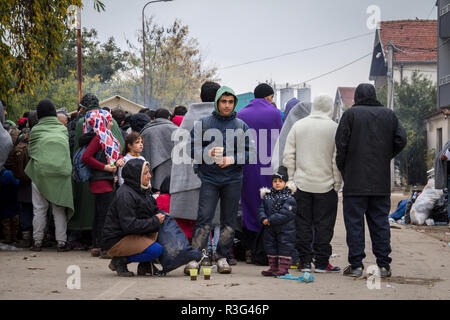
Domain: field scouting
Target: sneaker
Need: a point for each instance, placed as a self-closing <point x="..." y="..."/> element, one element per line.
<point x="62" y="247"/>
<point x="349" y="271"/>
<point x="385" y="273"/>
<point x="306" y="267"/>
<point x="191" y="265"/>
<point x="223" y="266"/>
<point x="95" y="252"/>
<point x="37" y="246"/>
<point x="232" y="261"/>
<point x="327" y="269"/>
<point x="104" y="255"/>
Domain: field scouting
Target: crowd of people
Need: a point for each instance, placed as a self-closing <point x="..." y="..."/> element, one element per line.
<point x="110" y="179"/>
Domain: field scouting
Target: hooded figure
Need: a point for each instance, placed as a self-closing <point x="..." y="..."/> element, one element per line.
<point x="289" y="105"/>
<point x="220" y="174"/>
<point x="185" y="184"/>
<point x="299" y="111"/>
<point x="309" y="156"/>
<point x="261" y="116"/>
<point x="83" y="198"/>
<point x="5" y="139"/>
<point x="369" y="136"/>
<point x="138" y="121"/>
<point x="157" y="149"/>
<point x="132" y="222"/>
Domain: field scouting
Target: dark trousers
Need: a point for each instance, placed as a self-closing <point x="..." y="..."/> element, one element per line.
<point x="210" y="194"/>
<point x="102" y="203"/>
<point x="316" y="212"/>
<point x="26" y="216"/>
<point x="376" y="210"/>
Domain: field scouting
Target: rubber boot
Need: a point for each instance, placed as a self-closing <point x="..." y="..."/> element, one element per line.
<point x="273" y="266"/>
<point x="6" y="223"/>
<point x="283" y="265"/>
<point x="119" y="264"/>
<point x="26" y="240"/>
<point x="15" y="226"/>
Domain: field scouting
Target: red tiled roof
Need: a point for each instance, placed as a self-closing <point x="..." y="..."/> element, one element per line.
<point x="412" y="36"/>
<point x="347" y="95"/>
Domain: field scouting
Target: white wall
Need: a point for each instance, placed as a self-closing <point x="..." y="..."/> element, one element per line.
<point x="427" y="70"/>
<point x="433" y="124"/>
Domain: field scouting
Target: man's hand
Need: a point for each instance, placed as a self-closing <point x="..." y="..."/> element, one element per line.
<point x="226" y="161"/>
<point x="215" y="152"/>
<point x="265" y="222"/>
<point x="161" y="217"/>
<point x="443" y="157"/>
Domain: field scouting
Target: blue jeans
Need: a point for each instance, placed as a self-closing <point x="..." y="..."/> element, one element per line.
<point x="152" y="252"/>
<point x="229" y="195"/>
<point x="212" y="242"/>
<point x="448" y="201"/>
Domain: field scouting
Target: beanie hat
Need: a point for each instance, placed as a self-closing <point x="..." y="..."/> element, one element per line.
<point x="138" y="121"/>
<point x="263" y="90"/>
<point x="45" y="108"/>
<point x="89" y="101"/>
<point x="281" y="173"/>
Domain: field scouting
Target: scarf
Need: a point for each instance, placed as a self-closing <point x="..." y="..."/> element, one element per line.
<point x="97" y="120"/>
<point x="278" y="197"/>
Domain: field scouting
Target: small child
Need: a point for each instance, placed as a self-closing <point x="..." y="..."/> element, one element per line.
<point x="134" y="144"/>
<point x="277" y="212"/>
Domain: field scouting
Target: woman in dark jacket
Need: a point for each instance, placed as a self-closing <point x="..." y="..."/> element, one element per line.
<point x="277" y="212"/>
<point x="132" y="222"/>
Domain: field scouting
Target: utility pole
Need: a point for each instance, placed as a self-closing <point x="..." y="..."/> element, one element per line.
<point x="390" y="98"/>
<point x="74" y="22"/>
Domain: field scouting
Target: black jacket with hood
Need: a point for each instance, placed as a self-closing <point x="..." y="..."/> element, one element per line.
<point x="133" y="210"/>
<point x="369" y="135"/>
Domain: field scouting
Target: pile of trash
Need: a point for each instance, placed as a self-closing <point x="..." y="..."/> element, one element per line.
<point x="428" y="206"/>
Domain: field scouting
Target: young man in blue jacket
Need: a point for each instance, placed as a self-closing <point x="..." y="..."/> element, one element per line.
<point x="220" y="147"/>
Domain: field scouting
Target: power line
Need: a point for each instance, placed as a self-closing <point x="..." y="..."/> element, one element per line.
<point x="422" y="52"/>
<point x="431" y="11"/>
<point x="334" y="70"/>
<point x="297" y="51"/>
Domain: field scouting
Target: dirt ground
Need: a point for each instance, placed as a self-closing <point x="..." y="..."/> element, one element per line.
<point x="421" y="263"/>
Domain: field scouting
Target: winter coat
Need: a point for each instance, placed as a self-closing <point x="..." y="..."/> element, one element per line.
<point x="441" y="168"/>
<point x="6" y="144"/>
<point x="133" y="209"/>
<point x="279" y="235"/>
<point x="367" y="138"/>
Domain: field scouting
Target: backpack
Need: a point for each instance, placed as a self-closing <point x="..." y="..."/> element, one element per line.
<point x="17" y="161"/>
<point x="81" y="171"/>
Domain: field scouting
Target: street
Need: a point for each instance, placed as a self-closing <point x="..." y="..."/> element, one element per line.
<point x="421" y="262"/>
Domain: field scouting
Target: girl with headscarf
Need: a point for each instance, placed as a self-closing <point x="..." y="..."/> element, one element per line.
<point x="103" y="156"/>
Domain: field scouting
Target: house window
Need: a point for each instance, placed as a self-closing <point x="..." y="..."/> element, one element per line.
<point x="439" y="139"/>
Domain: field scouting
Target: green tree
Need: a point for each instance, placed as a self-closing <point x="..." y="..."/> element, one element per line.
<point x="31" y="33"/>
<point x="175" y="67"/>
<point x="413" y="100"/>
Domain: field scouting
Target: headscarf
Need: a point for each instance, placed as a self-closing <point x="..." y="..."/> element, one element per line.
<point x="97" y="120"/>
<point x="366" y="95"/>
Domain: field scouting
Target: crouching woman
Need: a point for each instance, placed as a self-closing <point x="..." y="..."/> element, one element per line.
<point x="133" y="221"/>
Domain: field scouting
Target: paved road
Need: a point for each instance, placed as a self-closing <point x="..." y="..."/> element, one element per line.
<point x="421" y="270"/>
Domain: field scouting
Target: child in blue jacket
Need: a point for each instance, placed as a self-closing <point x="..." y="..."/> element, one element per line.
<point x="277" y="213"/>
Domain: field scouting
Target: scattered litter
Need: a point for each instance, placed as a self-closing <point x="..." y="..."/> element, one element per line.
<point x="209" y="284"/>
<point x="447" y="233"/>
<point x="34" y="255"/>
<point x="389" y="286"/>
<point x="421" y="230"/>
<point x="334" y="255"/>
<point x="5" y="247"/>
<point x="305" y="277"/>
<point x="395" y="227"/>
<point x="35" y="268"/>
<point x="231" y="284"/>
<point x="56" y="291"/>
<point x="429" y="222"/>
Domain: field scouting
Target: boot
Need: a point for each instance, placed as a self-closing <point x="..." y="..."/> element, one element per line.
<point x="119" y="264"/>
<point x="26" y="239"/>
<point x="7" y="230"/>
<point x="283" y="265"/>
<point x="147" y="268"/>
<point x="273" y="266"/>
<point x="14" y="228"/>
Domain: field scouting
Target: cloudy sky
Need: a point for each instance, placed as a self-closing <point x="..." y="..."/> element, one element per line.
<point x="235" y="32"/>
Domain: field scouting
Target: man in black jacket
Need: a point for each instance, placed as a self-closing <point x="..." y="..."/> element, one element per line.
<point x="369" y="135"/>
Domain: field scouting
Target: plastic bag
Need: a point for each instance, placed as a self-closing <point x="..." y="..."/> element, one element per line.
<point x="176" y="248"/>
<point x="421" y="209"/>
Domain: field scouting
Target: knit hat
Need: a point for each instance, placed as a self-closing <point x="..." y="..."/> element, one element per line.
<point x="46" y="108"/>
<point x="281" y="173"/>
<point x="89" y="101"/>
<point x="263" y="90"/>
<point x="138" y="121"/>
